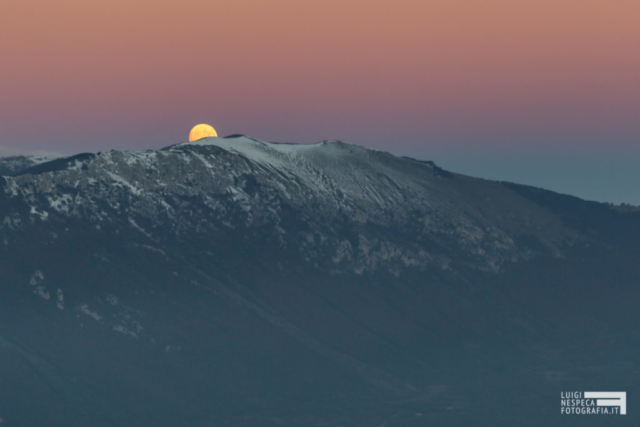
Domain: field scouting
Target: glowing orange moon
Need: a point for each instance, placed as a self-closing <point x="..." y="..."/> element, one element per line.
<point x="201" y="131"/>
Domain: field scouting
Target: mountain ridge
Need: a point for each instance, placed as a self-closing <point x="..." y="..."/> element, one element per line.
<point x="243" y="280"/>
<point x="329" y="169"/>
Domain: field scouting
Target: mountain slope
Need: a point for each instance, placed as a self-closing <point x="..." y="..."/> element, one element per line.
<point x="237" y="282"/>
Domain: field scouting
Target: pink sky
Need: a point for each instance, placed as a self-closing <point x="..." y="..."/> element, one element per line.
<point x="408" y="76"/>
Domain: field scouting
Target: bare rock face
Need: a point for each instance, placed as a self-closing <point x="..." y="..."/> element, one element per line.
<point x="232" y="281"/>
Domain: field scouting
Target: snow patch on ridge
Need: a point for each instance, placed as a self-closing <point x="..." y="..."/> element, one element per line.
<point x="84" y="309"/>
<point x="124" y="183"/>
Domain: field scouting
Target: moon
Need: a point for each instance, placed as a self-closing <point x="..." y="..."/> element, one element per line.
<point x="201" y="131"/>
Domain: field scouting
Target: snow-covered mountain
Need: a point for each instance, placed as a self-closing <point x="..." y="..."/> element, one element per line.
<point x="301" y="194"/>
<point x="238" y="282"/>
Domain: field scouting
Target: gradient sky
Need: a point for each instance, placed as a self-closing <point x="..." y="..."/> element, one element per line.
<point x="543" y="92"/>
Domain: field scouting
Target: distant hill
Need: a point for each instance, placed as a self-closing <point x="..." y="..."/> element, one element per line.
<point x="13" y="165"/>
